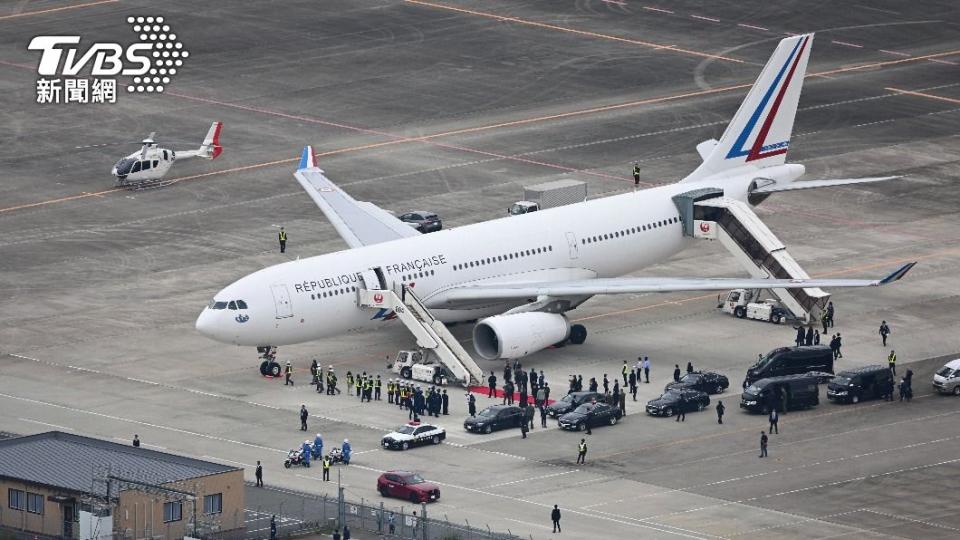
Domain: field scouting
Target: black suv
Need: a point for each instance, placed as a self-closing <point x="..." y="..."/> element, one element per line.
<point x="571" y="401"/>
<point x="422" y="221"/>
<point x="493" y="418"/>
<point x="854" y="385"/>
<point x="709" y="382"/>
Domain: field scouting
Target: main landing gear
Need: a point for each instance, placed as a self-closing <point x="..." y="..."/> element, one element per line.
<point x="269" y="367"/>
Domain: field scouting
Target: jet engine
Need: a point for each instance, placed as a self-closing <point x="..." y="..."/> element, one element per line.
<point x="519" y="334"/>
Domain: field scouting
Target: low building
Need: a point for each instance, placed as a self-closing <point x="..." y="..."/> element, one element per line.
<point x="63" y="485"/>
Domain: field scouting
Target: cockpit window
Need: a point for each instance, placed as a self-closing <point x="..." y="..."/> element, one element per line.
<point x="232" y="305"/>
<point x="241" y="304"/>
<point x="124" y="165"/>
<point x="136" y="167"/>
<point x="217" y="305"/>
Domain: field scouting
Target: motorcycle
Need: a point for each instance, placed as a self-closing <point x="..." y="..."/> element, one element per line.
<point x="335" y="456"/>
<point x="295" y="457"/>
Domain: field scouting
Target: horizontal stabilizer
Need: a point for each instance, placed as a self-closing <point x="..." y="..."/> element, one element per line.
<point x="812" y="184"/>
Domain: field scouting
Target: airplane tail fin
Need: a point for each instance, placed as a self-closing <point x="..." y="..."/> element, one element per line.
<point x="210" y="148"/>
<point x="759" y="133"/>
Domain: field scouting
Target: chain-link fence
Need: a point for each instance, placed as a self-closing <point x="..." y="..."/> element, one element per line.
<point x="297" y="514"/>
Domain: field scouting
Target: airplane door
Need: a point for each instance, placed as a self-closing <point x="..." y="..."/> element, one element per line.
<point x="373" y="279"/>
<point x="572" y="244"/>
<point x="281" y="299"/>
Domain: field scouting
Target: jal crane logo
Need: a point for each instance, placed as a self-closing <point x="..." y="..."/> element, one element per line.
<point x="704" y="227"/>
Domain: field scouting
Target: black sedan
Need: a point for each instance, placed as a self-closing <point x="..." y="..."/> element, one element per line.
<point x="571" y="401"/>
<point x="670" y="402"/>
<point x="590" y="414"/>
<point x="493" y="418"/>
<point x="708" y="382"/>
<point x="422" y="221"/>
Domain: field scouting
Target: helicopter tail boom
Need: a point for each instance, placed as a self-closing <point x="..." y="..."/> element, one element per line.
<point x="210" y="148"/>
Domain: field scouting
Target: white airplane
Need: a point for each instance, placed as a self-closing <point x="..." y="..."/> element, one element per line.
<point x="518" y="275"/>
<point x="148" y="166"/>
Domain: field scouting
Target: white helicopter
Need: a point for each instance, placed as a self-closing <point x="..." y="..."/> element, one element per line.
<point x="147" y="167"/>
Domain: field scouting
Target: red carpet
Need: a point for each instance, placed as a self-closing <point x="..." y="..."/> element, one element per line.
<point x="484" y="391"/>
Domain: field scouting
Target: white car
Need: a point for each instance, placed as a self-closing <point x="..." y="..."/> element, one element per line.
<point x="947" y="379"/>
<point x="413" y="434"/>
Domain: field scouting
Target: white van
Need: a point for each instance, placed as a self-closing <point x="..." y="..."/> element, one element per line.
<point x="947" y="379"/>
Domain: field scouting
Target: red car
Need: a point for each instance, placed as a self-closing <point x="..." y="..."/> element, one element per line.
<point x="407" y="485"/>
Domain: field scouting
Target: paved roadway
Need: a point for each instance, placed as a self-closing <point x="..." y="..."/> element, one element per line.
<point x="453" y="106"/>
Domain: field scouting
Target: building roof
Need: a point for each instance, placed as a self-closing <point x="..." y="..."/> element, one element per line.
<point x="70" y="462"/>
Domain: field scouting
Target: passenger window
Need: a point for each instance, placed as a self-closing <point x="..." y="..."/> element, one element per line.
<point x="135" y="168"/>
<point x="155" y="162"/>
<point x="241" y="304"/>
<point x="146" y="165"/>
<point x="232" y="305"/>
<point x="165" y="156"/>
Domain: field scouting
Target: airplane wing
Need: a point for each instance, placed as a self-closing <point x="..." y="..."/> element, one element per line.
<point x="589" y="287"/>
<point x="812" y="184"/>
<point x="359" y="223"/>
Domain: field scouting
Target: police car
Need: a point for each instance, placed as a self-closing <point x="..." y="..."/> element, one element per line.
<point x="413" y="434"/>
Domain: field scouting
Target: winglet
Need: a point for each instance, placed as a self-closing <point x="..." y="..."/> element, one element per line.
<point x="898" y="273"/>
<point x="308" y="158"/>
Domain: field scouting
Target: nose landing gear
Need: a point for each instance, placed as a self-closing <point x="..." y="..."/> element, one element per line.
<point x="269" y="367"/>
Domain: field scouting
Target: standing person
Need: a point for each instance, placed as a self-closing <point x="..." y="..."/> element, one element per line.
<point x="258" y="473"/>
<point x="646" y="369"/>
<point x="376" y="388"/>
<point x="546" y="393"/>
<point x="623" y="403"/>
<point x="283" y="240"/>
<point x="303" y="417"/>
<point x="326" y="468"/>
<point x="349" y="382"/>
<point x="606" y="384"/>
<point x="593" y="384"/>
<point x="391" y="523"/>
<point x="555" y="517"/>
<point x="346" y="450"/>
<point x="471" y="404"/>
<point x="823" y="321"/>
<point x="809" y="339"/>
<point x="682" y="409"/>
<point x="763" y="444"/>
<point x="839" y="345"/>
<point x="801" y="336"/>
<point x="774" y="418"/>
<point x="524" y="425"/>
<point x="624" y="371"/>
<point x="507" y="372"/>
<point x="492" y="384"/>
<point x="689" y="367"/>
<point x="833" y="346"/>
<point x="136" y="440"/>
<point x="892" y="362"/>
<point x="676" y="373"/>
<point x="288" y="371"/>
<point x="830" y="313"/>
<point x="446" y="402"/>
<point x="582" y="452"/>
<point x="314" y="371"/>
<point x="273" y="527"/>
<point x="543" y="415"/>
<point x="720" y="410"/>
<point x="884" y="332"/>
<point x="816" y="337"/>
<point x="633" y="384"/>
<point x="390" y="391"/>
<point x="346" y="533"/>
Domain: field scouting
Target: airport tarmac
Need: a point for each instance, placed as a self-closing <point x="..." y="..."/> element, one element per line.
<point x="453" y="106"/>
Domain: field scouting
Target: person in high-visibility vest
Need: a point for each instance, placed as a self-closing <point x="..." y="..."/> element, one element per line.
<point x="349" y="382"/>
<point x="368" y="389"/>
<point x="326" y="468"/>
<point x="358" y="385"/>
<point x="892" y="361"/>
<point x="582" y="451"/>
<point x="288" y="371"/>
<point x="283" y="240"/>
<point x="390" y="391"/>
<point x="376" y="388"/>
<point x="636" y="173"/>
<point x="624" y="371"/>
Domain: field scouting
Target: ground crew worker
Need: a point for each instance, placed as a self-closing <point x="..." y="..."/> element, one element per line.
<point x="358" y="385"/>
<point x="623" y="371"/>
<point x="492" y="384"/>
<point x="289" y="373"/>
<point x="763" y="444"/>
<point x="720" y="409"/>
<point x="582" y="452"/>
<point x="823" y="321"/>
<point x="892" y="362"/>
<point x="314" y="369"/>
<point x="303" y="417"/>
<point x="326" y="468"/>
<point x="283" y="240"/>
<point x="259" y="474"/>
<point x="368" y="389"/>
<point x="390" y="391"/>
<point x="555" y="517"/>
<point x="636" y="173"/>
<point x="376" y="388"/>
<point x="774" y="418"/>
<point x="349" y="382"/>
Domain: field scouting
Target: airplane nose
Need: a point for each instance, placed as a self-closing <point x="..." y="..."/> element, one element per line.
<point x="205" y="323"/>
